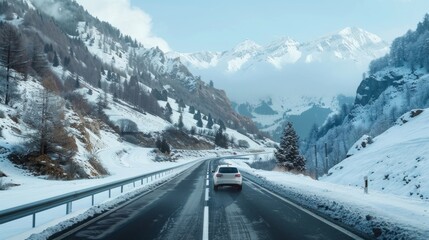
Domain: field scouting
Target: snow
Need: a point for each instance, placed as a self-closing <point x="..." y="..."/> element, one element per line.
<point x="236" y="63"/>
<point x="349" y="43"/>
<point x="57" y="221"/>
<point x="398" y="217"/>
<point x="284" y="69"/>
<point x="101" y="46"/>
<point x="360" y="144"/>
<point x="121" y="159"/>
<point x="395" y="163"/>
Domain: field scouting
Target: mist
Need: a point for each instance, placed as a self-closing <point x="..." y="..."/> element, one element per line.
<point x="293" y="81"/>
<point x="54" y="9"/>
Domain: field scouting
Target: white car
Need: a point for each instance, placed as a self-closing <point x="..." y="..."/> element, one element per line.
<point x="226" y="175"/>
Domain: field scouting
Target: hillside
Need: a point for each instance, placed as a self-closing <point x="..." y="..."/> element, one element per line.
<point x="395" y="162"/>
<point x="396" y="84"/>
<point x="105" y="95"/>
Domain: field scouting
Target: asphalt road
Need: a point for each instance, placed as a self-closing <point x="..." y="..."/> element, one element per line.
<point x="188" y="208"/>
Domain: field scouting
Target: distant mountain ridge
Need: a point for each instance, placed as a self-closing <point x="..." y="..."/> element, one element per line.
<point x="350" y="43"/>
<point x="294" y="76"/>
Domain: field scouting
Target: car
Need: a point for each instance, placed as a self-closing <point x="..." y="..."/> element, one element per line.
<point x="227" y="175"/>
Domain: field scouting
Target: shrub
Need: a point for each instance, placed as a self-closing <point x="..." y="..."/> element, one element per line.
<point x="97" y="166"/>
<point x="243" y="144"/>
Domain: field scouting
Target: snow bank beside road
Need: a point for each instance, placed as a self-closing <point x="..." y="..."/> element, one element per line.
<point x="373" y="214"/>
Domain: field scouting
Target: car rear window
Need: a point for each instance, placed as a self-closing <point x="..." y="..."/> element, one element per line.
<point x="228" y="170"/>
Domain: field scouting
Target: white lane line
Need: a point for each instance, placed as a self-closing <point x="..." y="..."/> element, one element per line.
<point x="207" y="194"/>
<point x="206" y="223"/>
<point x="207" y="183"/>
<point x="343" y="230"/>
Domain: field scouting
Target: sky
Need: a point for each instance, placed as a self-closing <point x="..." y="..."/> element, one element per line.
<point x="201" y="25"/>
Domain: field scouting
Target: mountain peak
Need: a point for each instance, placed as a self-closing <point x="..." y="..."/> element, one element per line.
<point x="359" y="34"/>
<point x="247" y="46"/>
<point x="282" y="43"/>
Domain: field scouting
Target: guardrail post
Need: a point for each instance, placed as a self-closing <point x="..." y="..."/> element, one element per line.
<point x="110" y="193"/>
<point x="68" y="207"/>
<point x="34" y="220"/>
<point x="366" y="184"/>
<point x="122" y="188"/>
<point x="92" y="200"/>
<point x="134" y="184"/>
<point x="141" y="181"/>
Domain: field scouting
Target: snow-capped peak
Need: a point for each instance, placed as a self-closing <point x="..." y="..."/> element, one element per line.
<point x="359" y="34"/>
<point x="247" y="46"/>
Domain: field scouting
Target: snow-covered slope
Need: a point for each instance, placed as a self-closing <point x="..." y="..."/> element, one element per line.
<point x="396" y="162"/>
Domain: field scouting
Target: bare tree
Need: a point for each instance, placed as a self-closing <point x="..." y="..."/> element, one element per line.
<point x="47" y="117"/>
<point x="12" y="54"/>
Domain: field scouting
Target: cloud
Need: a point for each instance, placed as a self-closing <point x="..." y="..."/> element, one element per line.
<point x="53" y="9"/>
<point x="130" y="20"/>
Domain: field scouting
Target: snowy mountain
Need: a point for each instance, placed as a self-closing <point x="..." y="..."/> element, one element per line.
<point x="294" y="76"/>
<point x="348" y="44"/>
<point x="105" y="95"/>
<point x="397" y="84"/>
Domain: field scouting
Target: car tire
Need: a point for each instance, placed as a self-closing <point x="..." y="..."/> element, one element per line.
<point x="240" y="187"/>
<point x="215" y="187"/>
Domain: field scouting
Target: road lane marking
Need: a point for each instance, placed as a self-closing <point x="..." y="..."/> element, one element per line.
<point x="333" y="225"/>
<point x="207" y="194"/>
<point x="207" y="183"/>
<point x="206" y="223"/>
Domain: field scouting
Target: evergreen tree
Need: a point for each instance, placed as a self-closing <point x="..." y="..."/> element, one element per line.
<point x="77" y="83"/>
<point x="180" y="124"/>
<point x="209" y="122"/>
<point x="221" y="139"/>
<point x="200" y="123"/>
<point x="56" y="61"/>
<point x="168" y="111"/>
<point x="222" y="125"/>
<point x="191" y="109"/>
<point x="197" y="116"/>
<point x="287" y="154"/>
<point x="165" y="148"/>
<point x="164" y="95"/>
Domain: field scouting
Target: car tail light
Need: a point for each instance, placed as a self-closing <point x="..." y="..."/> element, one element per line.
<point x="238" y="175"/>
<point x="219" y="175"/>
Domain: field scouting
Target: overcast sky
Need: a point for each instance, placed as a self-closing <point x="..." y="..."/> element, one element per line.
<point x="197" y="25"/>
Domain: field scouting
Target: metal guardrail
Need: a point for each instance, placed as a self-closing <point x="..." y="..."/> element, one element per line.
<point x="67" y="199"/>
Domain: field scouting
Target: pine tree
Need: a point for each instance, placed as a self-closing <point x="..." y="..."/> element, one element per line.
<point x="191" y="109"/>
<point x="221" y="139"/>
<point x="199" y="123"/>
<point x="209" y="122"/>
<point x="77" y="83"/>
<point x="165" y="148"/>
<point x="287" y="154"/>
<point x="56" y="61"/>
<point x="180" y="124"/>
<point x="197" y="115"/>
<point x="168" y="112"/>
<point x="222" y="125"/>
